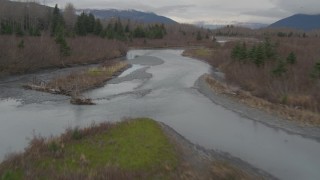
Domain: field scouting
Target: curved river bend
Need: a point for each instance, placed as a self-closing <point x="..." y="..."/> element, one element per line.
<point x="160" y="85"/>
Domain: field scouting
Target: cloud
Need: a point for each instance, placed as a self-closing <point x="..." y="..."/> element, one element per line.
<point x="175" y="9"/>
<point x="263" y="11"/>
<point x="269" y="13"/>
<point x="299" y="6"/>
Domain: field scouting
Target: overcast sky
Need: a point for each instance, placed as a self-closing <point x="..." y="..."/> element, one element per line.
<point x="208" y="11"/>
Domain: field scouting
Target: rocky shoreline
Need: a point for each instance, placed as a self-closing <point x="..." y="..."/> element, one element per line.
<point x="255" y="114"/>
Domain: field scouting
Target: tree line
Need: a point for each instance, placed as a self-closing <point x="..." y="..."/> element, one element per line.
<point x="71" y="24"/>
<point x="61" y="25"/>
<point x="263" y="53"/>
<point x="266" y="52"/>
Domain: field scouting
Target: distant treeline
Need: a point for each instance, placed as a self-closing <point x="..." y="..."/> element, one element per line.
<point x="54" y="21"/>
<point x="235" y="31"/>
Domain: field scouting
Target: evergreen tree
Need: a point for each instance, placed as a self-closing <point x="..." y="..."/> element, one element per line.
<point x="304" y="35"/>
<point x="243" y="52"/>
<point x="119" y="30"/>
<point x="199" y="37"/>
<point x="139" y="32"/>
<point x="252" y="53"/>
<point x="81" y="25"/>
<point x="21" y="44"/>
<point x="280" y="69"/>
<point x="98" y="27"/>
<point x="89" y="23"/>
<point x="65" y="50"/>
<point x="108" y="31"/>
<point x="163" y="28"/>
<point x="269" y="49"/>
<point x="235" y="51"/>
<point x="316" y="71"/>
<point x="155" y="32"/>
<point x="19" y="31"/>
<point x="57" y="21"/>
<point x="6" y="27"/>
<point x="291" y="59"/>
<point x="127" y="29"/>
<point x="259" y="56"/>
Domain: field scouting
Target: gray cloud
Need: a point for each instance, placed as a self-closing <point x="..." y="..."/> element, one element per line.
<point x="211" y="11"/>
<point x="175" y="9"/>
<point x="299" y="6"/>
<point x="269" y="13"/>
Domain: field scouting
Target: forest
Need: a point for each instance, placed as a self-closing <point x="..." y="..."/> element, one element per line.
<point x="34" y="36"/>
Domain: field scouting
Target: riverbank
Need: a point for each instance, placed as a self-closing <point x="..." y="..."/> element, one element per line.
<point x="139" y="148"/>
<point x="218" y="84"/>
<point x="253" y="108"/>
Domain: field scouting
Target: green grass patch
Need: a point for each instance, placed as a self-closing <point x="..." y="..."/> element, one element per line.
<point x="12" y="175"/>
<point x="203" y="52"/>
<point x="137" y="145"/>
<point x="95" y="71"/>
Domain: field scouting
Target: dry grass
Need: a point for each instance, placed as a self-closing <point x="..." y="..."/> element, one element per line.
<point x="225" y="171"/>
<point x="301" y="116"/>
<point x="43" y="52"/>
<point x="77" y="82"/>
<point x="201" y="53"/>
<point x="295" y="89"/>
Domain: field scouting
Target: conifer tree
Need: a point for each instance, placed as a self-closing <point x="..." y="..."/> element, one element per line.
<point x="259" y="56"/>
<point x="199" y="37"/>
<point x="280" y="68"/>
<point x="57" y="21"/>
<point x="291" y="59"/>
<point x="98" y="27"/>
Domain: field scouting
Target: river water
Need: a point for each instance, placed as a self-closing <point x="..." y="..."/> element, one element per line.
<point x="160" y="85"/>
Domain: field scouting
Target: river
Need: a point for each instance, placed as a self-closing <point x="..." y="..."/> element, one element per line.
<point x="160" y="85"/>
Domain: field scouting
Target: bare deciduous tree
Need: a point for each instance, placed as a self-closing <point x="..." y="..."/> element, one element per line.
<point x="70" y="16"/>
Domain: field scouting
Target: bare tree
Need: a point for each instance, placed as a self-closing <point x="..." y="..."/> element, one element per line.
<point x="69" y="16"/>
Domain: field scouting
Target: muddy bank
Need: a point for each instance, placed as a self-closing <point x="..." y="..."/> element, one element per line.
<point x="256" y="114"/>
<point x="200" y="161"/>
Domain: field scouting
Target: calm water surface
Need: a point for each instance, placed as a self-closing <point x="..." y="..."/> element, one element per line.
<point x="168" y="96"/>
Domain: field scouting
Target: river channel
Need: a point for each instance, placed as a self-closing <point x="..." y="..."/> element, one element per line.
<point x="160" y="85"/>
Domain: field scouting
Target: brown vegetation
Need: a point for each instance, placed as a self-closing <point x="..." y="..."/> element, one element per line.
<point x="245" y="97"/>
<point x="224" y="171"/>
<point x="20" y="55"/>
<point x="77" y="82"/>
<point x="294" y="88"/>
<point x="42" y="52"/>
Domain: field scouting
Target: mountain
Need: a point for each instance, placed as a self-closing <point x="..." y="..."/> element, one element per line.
<point x="244" y="24"/>
<point x="299" y="21"/>
<point x="146" y="17"/>
<point x="251" y="25"/>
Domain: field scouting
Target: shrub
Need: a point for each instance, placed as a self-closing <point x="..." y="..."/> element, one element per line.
<point x="291" y="59"/>
<point x="316" y="71"/>
<point x="76" y="134"/>
<point x="21" y="44"/>
<point x="53" y="147"/>
<point x="280" y="69"/>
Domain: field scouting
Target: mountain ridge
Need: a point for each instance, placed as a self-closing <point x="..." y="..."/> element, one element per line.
<point x="140" y="16"/>
<point x="304" y="22"/>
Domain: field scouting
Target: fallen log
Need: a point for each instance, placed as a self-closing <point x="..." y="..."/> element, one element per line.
<point x="81" y="101"/>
